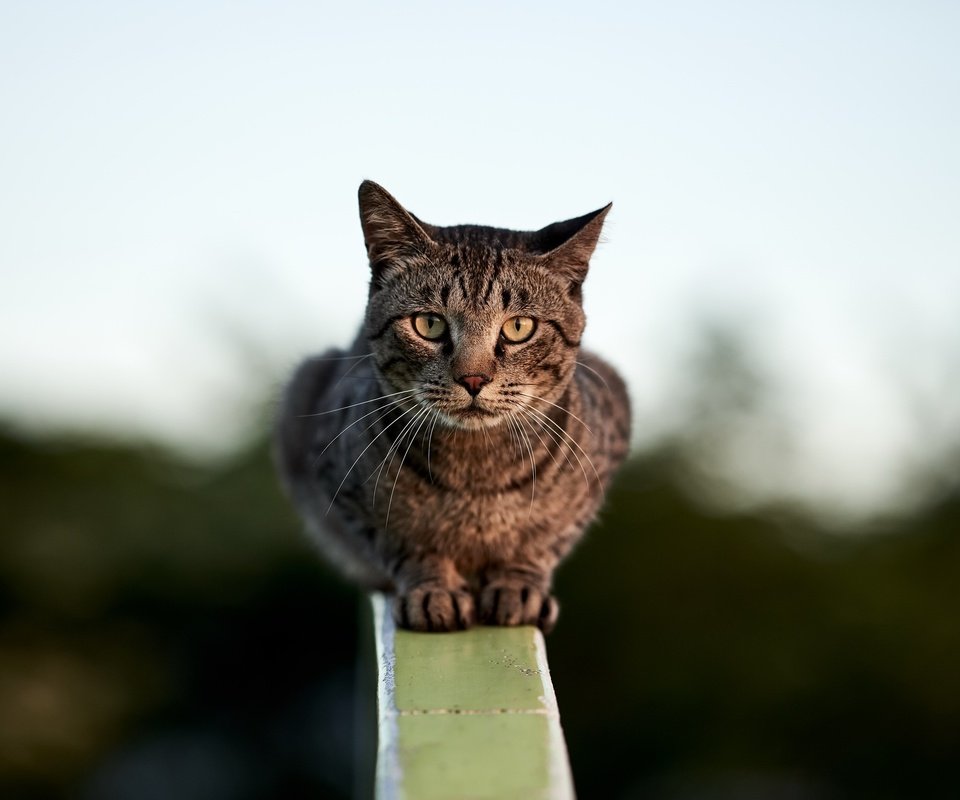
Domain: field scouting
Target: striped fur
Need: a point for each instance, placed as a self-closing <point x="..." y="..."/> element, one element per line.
<point x="461" y="506"/>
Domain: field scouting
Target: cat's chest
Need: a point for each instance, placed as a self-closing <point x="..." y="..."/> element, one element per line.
<point x="460" y="523"/>
<point x="482" y="520"/>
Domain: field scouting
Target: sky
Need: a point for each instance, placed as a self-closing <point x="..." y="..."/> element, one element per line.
<point x="179" y="178"/>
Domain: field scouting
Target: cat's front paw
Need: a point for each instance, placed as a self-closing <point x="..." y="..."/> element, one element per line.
<point x="512" y="602"/>
<point x="432" y="608"/>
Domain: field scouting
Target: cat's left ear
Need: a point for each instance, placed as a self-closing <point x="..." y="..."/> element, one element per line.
<point x="567" y="246"/>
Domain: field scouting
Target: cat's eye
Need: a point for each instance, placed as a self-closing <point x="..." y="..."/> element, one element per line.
<point x="518" y="329"/>
<point x="429" y="326"/>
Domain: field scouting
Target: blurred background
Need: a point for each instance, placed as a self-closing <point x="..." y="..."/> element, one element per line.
<point x="768" y="607"/>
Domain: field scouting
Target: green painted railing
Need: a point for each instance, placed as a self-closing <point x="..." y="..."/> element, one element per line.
<point x="466" y="715"/>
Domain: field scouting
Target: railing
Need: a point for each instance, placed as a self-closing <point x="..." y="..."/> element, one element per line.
<point x="466" y="715"/>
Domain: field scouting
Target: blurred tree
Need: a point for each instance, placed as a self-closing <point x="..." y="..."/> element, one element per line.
<point x="165" y="630"/>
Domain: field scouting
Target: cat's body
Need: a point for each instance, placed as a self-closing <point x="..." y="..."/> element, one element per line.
<point x="460" y="448"/>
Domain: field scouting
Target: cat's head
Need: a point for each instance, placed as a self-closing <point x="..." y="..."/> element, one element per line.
<point x="481" y="322"/>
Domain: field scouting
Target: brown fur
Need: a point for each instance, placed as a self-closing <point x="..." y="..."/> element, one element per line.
<point x="463" y="506"/>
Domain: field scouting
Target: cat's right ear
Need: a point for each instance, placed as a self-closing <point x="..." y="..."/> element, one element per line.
<point x="391" y="233"/>
<point x="567" y="246"/>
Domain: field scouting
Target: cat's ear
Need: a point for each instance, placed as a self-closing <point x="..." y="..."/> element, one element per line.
<point x="567" y="246"/>
<point x="390" y="232"/>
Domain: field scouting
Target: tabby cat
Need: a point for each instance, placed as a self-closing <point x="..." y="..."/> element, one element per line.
<point x="457" y="451"/>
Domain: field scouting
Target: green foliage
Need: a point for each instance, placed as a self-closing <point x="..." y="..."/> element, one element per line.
<point x="748" y="656"/>
<point x="168" y="626"/>
<point x="157" y="615"/>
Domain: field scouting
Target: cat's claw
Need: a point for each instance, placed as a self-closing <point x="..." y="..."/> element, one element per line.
<point x="433" y="608"/>
<point x="515" y="603"/>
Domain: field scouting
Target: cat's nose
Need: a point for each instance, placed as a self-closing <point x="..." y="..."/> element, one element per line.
<point x="473" y="383"/>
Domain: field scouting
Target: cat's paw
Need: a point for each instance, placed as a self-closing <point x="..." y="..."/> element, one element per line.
<point x="432" y="608"/>
<point x="517" y="603"/>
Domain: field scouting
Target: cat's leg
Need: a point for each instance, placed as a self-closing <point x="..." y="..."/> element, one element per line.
<point x="518" y="595"/>
<point x="431" y="594"/>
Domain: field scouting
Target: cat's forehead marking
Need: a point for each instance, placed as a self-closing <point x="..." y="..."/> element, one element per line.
<point x="474" y="327"/>
<point x="476" y="279"/>
<point x="483" y="275"/>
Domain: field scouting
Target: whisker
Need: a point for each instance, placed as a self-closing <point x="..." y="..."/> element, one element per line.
<point x="533" y="463"/>
<point x="341" y="358"/>
<point x="591" y="369"/>
<point x="513" y="436"/>
<point x="362" y="452"/>
<point x="564" y="446"/>
<point x="486" y="440"/>
<point x="544" y="445"/>
<point x="571" y="440"/>
<point x="554" y="437"/>
<point x="391" y="453"/>
<point x="361" y="403"/>
<point x="436" y="419"/>
<point x="386" y="414"/>
<point x="561" y="408"/>
<point x="533" y="466"/>
<point x="353" y="366"/>
<point x="390" y="405"/>
<point x="413" y="437"/>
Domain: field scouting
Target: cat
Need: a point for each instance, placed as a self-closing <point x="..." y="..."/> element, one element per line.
<point x="459" y="449"/>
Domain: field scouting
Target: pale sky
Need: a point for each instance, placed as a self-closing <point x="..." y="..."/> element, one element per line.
<point x="175" y="176"/>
